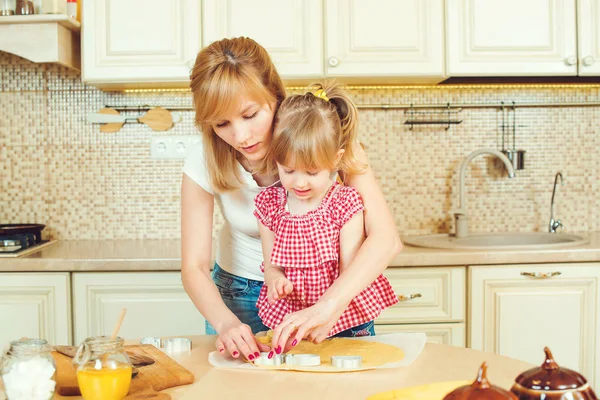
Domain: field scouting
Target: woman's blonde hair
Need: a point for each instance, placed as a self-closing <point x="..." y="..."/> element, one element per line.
<point x="224" y="71"/>
<point x="311" y="129"/>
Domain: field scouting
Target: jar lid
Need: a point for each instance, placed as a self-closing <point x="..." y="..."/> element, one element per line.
<point x="549" y="376"/>
<point x="481" y="388"/>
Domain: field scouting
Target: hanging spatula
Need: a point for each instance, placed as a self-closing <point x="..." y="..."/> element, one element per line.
<point x="158" y="119"/>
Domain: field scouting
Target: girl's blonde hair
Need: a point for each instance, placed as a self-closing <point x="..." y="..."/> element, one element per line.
<point x="311" y="129"/>
<point x="225" y="71"/>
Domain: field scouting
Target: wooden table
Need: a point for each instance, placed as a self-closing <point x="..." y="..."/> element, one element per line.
<point x="437" y="363"/>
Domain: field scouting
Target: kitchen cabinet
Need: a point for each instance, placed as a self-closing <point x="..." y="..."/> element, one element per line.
<point x="588" y="28"/>
<point x="512" y="37"/>
<point x="151" y="42"/>
<point x="385" y="38"/>
<point x="450" y="334"/>
<point x="516" y="310"/>
<point x="35" y="305"/>
<point x="291" y="31"/>
<point x="157" y="305"/>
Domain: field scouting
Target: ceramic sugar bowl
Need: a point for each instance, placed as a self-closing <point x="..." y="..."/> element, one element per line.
<point x="481" y="388"/>
<point x="551" y="382"/>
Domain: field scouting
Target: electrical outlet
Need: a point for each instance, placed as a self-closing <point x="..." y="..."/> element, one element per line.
<point x="172" y="147"/>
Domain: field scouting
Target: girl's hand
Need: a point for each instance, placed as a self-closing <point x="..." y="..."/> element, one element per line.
<point x="278" y="288"/>
<point x="312" y="323"/>
<point x="238" y="340"/>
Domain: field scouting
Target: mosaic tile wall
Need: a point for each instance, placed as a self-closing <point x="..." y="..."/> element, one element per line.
<point x="57" y="169"/>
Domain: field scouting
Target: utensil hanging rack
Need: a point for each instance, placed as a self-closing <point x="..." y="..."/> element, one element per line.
<point x="435" y="116"/>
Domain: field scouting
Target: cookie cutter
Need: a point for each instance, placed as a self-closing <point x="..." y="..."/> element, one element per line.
<point x="303" y="360"/>
<point x="154" y="341"/>
<point x="264" y="359"/>
<point x="177" y="345"/>
<point x="346" y="362"/>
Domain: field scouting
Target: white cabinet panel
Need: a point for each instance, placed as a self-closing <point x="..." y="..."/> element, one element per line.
<point x="511" y="37"/>
<point x="588" y="25"/>
<point x="136" y="41"/>
<point x="35" y="305"/>
<point x="290" y="30"/>
<point x="157" y="305"/>
<point x="516" y="315"/>
<point x="385" y="38"/>
<point x="450" y="334"/>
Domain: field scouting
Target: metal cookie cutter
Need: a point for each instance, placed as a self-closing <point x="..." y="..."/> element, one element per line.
<point x="303" y="360"/>
<point x="349" y="362"/>
<point x="155" y="341"/>
<point x="177" y="345"/>
<point x="263" y="359"/>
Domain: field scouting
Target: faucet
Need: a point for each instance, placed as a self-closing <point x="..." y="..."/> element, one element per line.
<point x="555" y="224"/>
<point x="460" y="214"/>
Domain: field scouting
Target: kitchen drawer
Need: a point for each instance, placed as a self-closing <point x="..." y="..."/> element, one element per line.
<point x="452" y="334"/>
<point x="431" y="294"/>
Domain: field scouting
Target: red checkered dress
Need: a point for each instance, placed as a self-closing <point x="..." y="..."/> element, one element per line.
<point x="307" y="247"/>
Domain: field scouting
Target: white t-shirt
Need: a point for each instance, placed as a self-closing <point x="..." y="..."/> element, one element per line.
<point x="239" y="250"/>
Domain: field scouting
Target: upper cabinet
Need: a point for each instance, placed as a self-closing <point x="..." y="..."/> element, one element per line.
<point x="588" y="24"/>
<point x="147" y="42"/>
<point x="290" y="30"/>
<point x="511" y="37"/>
<point x="385" y="38"/>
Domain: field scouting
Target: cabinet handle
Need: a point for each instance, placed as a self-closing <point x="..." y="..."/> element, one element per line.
<point x="333" y="62"/>
<point x="571" y="60"/>
<point x="589" y="60"/>
<point x="541" y="275"/>
<point x="409" y="297"/>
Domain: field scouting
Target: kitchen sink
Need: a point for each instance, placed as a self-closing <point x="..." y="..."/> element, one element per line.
<point x="500" y="241"/>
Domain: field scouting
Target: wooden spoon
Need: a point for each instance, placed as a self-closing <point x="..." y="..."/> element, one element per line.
<point x="158" y="119"/>
<point x="111" y="127"/>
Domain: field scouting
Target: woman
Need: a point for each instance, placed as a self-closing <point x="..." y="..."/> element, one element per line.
<point x="236" y="92"/>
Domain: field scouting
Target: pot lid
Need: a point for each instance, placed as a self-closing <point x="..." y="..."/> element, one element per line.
<point x="549" y="376"/>
<point x="481" y="388"/>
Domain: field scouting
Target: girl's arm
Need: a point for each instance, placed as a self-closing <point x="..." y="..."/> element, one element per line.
<point x="380" y="247"/>
<point x="277" y="284"/>
<point x="196" y="244"/>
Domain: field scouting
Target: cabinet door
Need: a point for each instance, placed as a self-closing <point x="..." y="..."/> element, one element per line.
<point x="588" y="26"/>
<point x="139" y="41"/>
<point x="511" y="37"/>
<point x="35" y="305"/>
<point x="386" y="38"/>
<point x="156" y="303"/>
<point x="291" y="31"/>
<point x="450" y="334"/>
<point x="516" y="315"/>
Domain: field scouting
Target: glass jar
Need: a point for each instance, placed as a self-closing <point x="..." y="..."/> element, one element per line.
<point x="28" y="370"/>
<point x="104" y="370"/>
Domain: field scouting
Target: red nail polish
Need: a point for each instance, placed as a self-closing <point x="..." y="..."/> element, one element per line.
<point x="250" y="357"/>
<point x="278" y="349"/>
<point x="221" y="350"/>
<point x="257" y="354"/>
<point x="271" y="354"/>
<point x="235" y="353"/>
<point x="295" y="342"/>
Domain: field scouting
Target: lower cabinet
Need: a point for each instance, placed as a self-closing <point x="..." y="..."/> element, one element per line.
<point x="450" y="334"/>
<point x="517" y="310"/>
<point x="35" y="305"/>
<point x="157" y="305"/>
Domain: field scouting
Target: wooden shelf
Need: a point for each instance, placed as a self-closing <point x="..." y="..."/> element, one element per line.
<point x="42" y="38"/>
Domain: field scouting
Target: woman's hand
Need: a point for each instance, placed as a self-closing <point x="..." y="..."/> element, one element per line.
<point x="278" y="288"/>
<point x="312" y="323"/>
<point x="237" y="339"/>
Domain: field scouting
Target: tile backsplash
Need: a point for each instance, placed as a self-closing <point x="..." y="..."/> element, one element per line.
<point x="59" y="170"/>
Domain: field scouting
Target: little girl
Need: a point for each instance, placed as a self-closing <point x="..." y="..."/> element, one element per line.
<point x="311" y="227"/>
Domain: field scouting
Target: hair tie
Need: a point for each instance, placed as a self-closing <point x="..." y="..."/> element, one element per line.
<point x="321" y="94"/>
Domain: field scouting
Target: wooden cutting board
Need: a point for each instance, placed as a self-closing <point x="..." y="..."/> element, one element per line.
<point x="163" y="374"/>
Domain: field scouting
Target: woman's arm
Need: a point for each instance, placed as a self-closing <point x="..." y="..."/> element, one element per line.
<point x="380" y="247"/>
<point x="196" y="244"/>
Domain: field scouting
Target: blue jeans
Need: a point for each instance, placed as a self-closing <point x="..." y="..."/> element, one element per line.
<point x="240" y="296"/>
<point x="366" y="329"/>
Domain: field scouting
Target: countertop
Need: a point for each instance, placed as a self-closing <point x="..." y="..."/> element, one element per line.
<point x="165" y="255"/>
<point x="437" y="363"/>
